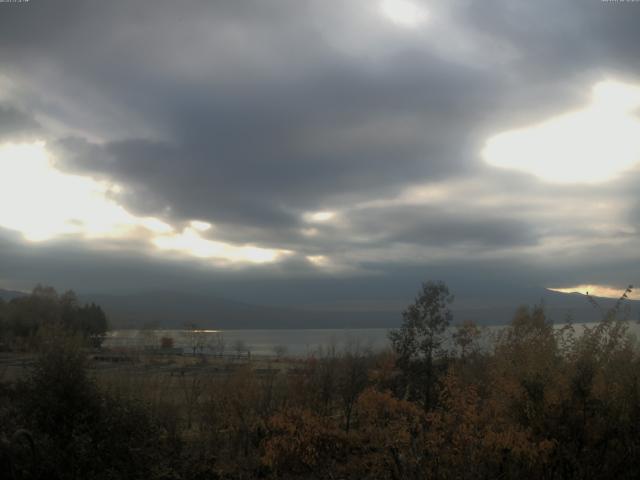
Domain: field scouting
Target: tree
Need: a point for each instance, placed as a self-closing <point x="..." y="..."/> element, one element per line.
<point x="45" y="292"/>
<point x="94" y="324"/>
<point x="192" y="387"/>
<point x="389" y="438"/>
<point x="4" y="321"/>
<point x="217" y="344"/>
<point x="79" y="430"/>
<point x="196" y="338"/>
<point x="240" y="347"/>
<point x="353" y="378"/>
<point x="303" y="443"/>
<point x="44" y="308"/>
<point x="166" y="343"/>
<point x="420" y="338"/>
<point x="466" y="337"/>
<point x="280" y="350"/>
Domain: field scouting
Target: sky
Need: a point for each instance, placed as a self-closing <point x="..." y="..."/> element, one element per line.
<point x="318" y="152"/>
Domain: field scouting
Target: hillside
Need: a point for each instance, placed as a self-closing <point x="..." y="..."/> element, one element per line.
<point x="9" y="294"/>
<point x="175" y="309"/>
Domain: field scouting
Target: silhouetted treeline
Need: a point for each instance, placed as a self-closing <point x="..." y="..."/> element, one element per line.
<point x="540" y="402"/>
<point x="22" y="317"/>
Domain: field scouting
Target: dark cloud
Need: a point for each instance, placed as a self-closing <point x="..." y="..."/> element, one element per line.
<point x="558" y="49"/>
<point x="556" y="38"/>
<point x="485" y="232"/>
<point x="16" y="125"/>
<point x="249" y="114"/>
<point x="65" y="264"/>
<point x="266" y="154"/>
<point x="285" y="123"/>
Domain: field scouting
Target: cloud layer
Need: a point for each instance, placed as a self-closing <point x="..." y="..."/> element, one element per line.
<point x="254" y="116"/>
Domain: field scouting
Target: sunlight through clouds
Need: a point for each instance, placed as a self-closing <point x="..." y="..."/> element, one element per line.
<point x="403" y="13"/>
<point x="318" y="260"/>
<point x="604" y="291"/>
<point x="200" y="226"/>
<point x="190" y="242"/>
<point x="43" y="203"/>
<point x="319" y="217"/>
<point x="591" y="145"/>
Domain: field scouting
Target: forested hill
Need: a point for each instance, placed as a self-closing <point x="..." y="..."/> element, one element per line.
<point x="25" y="317"/>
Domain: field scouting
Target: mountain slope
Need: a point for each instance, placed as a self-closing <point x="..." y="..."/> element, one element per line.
<point x="7" y="295"/>
<point x="176" y="309"/>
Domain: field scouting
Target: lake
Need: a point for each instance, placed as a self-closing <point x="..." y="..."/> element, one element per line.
<point x="258" y="342"/>
<point x="298" y="342"/>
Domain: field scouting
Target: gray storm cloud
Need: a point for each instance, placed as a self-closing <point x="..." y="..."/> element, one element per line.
<point x="249" y="115"/>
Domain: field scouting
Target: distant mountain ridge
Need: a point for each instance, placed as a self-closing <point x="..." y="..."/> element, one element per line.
<point x="168" y="309"/>
<point x="175" y="309"/>
<point x="10" y="294"/>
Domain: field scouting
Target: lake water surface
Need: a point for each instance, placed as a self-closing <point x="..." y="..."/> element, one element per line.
<point x="271" y="342"/>
<point x="258" y="342"/>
